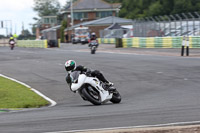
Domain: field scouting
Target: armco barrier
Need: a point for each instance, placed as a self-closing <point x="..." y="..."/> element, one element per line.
<point x="153" y="42"/>
<point x="194" y="42"/>
<point x="32" y="43"/>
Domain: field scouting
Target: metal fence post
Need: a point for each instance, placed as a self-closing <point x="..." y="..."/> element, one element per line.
<point x="198" y="18"/>
<point x="143" y="27"/>
<point x="154" y="22"/>
<point x="157" y="18"/>
<point x="179" y="17"/>
<point x="147" y="26"/>
<point x="185" y="16"/>
<point x="136" y="29"/>
<point x="174" y="20"/>
<point x="169" y="23"/>
<point x="164" y="24"/>
<point x="193" y="18"/>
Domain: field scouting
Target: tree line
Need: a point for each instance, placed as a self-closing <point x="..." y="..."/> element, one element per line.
<point x="133" y="9"/>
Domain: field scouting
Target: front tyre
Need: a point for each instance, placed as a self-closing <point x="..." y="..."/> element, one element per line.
<point x="116" y="98"/>
<point x="91" y="95"/>
<point x="93" y="49"/>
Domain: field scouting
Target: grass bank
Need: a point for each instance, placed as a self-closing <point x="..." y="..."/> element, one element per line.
<point x="15" y="95"/>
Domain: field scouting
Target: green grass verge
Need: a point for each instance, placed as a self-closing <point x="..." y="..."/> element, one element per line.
<point x="15" y="95"/>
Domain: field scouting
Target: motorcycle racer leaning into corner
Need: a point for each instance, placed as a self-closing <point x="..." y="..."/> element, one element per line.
<point x="70" y="67"/>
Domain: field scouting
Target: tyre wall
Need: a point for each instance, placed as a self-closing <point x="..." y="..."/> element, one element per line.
<point x="32" y="43"/>
<point x="154" y="42"/>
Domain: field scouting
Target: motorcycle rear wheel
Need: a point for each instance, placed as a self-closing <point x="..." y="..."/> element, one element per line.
<point x="12" y="47"/>
<point x="92" y="96"/>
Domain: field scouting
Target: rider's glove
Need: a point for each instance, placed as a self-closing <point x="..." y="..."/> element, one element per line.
<point x="68" y="79"/>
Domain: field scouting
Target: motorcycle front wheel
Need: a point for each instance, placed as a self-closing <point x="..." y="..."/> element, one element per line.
<point x="116" y="98"/>
<point x="92" y="95"/>
<point x="92" y="51"/>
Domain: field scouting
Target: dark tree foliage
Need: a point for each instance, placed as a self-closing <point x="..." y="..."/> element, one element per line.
<point x="145" y="8"/>
<point x="63" y="26"/>
<point x="46" y="7"/>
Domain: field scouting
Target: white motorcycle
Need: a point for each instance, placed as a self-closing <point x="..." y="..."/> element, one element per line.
<point x="92" y="89"/>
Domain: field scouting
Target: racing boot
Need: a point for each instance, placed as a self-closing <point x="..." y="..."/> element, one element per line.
<point x="109" y="86"/>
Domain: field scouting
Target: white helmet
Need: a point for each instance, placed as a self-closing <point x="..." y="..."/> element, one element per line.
<point x="70" y="65"/>
<point x="93" y="33"/>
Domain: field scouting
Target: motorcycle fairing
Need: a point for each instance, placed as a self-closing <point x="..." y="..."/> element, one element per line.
<point x="94" y="82"/>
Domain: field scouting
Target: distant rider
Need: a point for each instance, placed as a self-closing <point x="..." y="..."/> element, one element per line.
<point x="70" y="66"/>
<point x="11" y="39"/>
<point x="12" y="43"/>
<point x="93" y="36"/>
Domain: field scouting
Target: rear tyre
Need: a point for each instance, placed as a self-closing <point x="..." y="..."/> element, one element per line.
<point x="116" y="98"/>
<point x="11" y="47"/>
<point x="92" y="95"/>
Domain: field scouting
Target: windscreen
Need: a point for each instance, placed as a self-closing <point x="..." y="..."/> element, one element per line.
<point x="74" y="76"/>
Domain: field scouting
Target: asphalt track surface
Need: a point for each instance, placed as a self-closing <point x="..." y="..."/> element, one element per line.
<point x="156" y="88"/>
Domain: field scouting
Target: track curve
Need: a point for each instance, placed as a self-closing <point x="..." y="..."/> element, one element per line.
<point x="155" y="89"/>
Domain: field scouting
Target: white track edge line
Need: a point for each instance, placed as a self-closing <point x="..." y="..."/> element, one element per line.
<point x="130" y="127"/>
<point x="53" y="103"/>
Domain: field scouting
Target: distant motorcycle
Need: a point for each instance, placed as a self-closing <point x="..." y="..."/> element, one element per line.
<point x="92" y="89"/>
<point x="93" y="46"/>
<point x="12" y="44"/>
